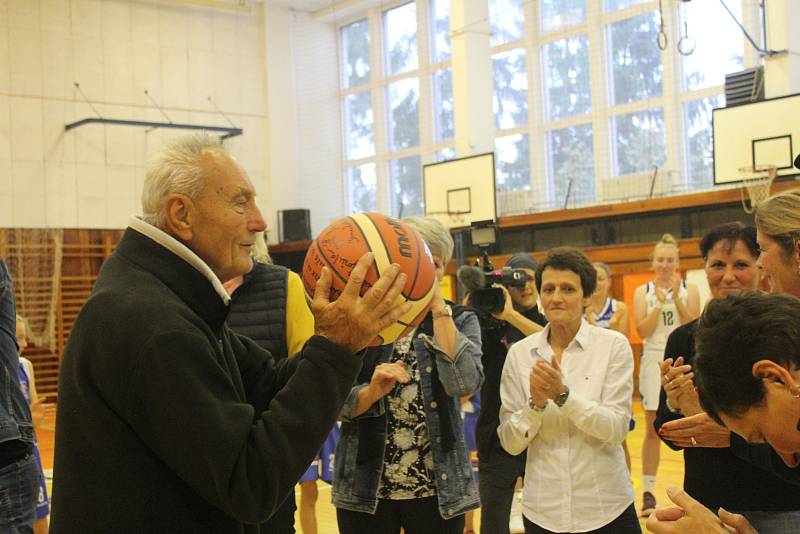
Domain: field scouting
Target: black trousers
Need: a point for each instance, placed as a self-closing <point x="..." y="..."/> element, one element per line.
<point x="498" y="476"/>
<point x="626" y="523"/>
<point x="415" y="516"/>
<point x="282" y="521"/>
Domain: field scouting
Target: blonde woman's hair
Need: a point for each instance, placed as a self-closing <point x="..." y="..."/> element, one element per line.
<point x="260" y="250"/>
<point x="25" y="323"/>
<point x="779" y="218"/>
<point x="438" y="238"/>
<point x="666" y="241"/>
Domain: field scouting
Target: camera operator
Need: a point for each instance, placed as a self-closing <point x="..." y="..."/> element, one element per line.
<point x="499" y="470"/>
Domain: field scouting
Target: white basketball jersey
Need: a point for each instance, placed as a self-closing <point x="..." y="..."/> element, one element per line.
<point x="669" y="320"/>
<point x="603" y="319"/>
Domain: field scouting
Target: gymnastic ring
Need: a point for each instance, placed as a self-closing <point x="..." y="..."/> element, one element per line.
<point x="662" y="40"/>
<point x="686" y="46"/>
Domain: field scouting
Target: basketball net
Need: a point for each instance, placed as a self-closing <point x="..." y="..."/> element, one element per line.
<point x="757" y="180"/>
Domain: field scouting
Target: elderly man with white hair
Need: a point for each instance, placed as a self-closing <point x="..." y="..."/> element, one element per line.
<point x="167" y="420"/>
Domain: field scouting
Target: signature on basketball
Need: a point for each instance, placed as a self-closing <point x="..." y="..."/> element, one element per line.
<point x="341" y="261"/>
<point x="336" y="243"/>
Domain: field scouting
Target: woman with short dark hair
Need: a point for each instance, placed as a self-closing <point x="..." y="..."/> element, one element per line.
<point x="751" y="383"/>
<point x="566" y="399"/>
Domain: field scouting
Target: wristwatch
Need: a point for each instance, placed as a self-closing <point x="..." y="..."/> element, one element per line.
<point x="535" y="408"/>
<point x="447" y="311"/>
<point x="561" y="399"/>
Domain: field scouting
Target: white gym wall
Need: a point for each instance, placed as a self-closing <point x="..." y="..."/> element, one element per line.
<point x="91" y="177"/>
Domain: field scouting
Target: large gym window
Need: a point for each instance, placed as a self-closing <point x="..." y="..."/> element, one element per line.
<point x="593" y="101"/>
<point x="510" y="89"/>
<point x="612" y="116"/>
<point x="397" y="103"/>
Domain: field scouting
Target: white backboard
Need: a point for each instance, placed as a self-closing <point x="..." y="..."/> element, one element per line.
<point x="761" y="133"/>
<point x="460" y="191"/>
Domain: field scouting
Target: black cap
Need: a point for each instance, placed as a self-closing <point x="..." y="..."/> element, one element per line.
<point x="521" y="260"/>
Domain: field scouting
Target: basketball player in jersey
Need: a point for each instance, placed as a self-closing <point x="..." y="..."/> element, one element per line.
<point x="659" y="307"/>
<point x="604" y="310"/>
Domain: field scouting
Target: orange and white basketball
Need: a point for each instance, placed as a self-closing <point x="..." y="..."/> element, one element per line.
<point x="343" y="242"/>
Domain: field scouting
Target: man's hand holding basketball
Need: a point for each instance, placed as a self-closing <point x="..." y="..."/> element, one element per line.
<point x="352" y="320"/>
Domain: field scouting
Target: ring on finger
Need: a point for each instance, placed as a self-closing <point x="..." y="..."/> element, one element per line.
<point x="694" y="441"/>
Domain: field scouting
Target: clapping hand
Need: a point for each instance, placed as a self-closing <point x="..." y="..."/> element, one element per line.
<point x="545" y="381"/>
<point x="676" y="379"/>
<point x="661" y="295"/>
<point x="676" y="284"/>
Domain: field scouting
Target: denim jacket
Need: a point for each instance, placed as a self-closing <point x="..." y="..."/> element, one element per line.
<point x="360" y="451"/>
<point x="15" y="415"/>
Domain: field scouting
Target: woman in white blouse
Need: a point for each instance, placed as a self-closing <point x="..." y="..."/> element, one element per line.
<point x="566" y="399"/>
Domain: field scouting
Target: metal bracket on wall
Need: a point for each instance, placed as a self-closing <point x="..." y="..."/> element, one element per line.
<point x="762" y="50"/>
<point x="229" y="131"/>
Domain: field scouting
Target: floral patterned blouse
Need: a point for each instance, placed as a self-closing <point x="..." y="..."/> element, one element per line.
<point x="407" y="461"/>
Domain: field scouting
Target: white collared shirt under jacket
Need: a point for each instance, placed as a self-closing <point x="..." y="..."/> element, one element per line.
<point x="576" y="479"/>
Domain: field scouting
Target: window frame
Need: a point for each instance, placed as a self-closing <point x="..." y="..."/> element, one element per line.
<point x="378" y="84"/>
<point x="672" y="100"/>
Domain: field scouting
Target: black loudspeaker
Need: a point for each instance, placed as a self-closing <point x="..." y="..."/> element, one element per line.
<point x="294" y="225"/>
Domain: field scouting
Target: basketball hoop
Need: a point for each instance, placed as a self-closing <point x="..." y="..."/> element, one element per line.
<point x="757" y="179"/>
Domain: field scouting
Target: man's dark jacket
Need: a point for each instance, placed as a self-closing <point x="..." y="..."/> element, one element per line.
<point x="163" y="423"/>
<point x="495" y="345"/>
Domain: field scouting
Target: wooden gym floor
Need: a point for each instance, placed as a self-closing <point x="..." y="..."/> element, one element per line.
<point x="670" y="472"/>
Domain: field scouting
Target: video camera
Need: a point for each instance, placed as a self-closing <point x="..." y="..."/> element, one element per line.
<point x="479" y="283"/>
<point x="479" y="279"/>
